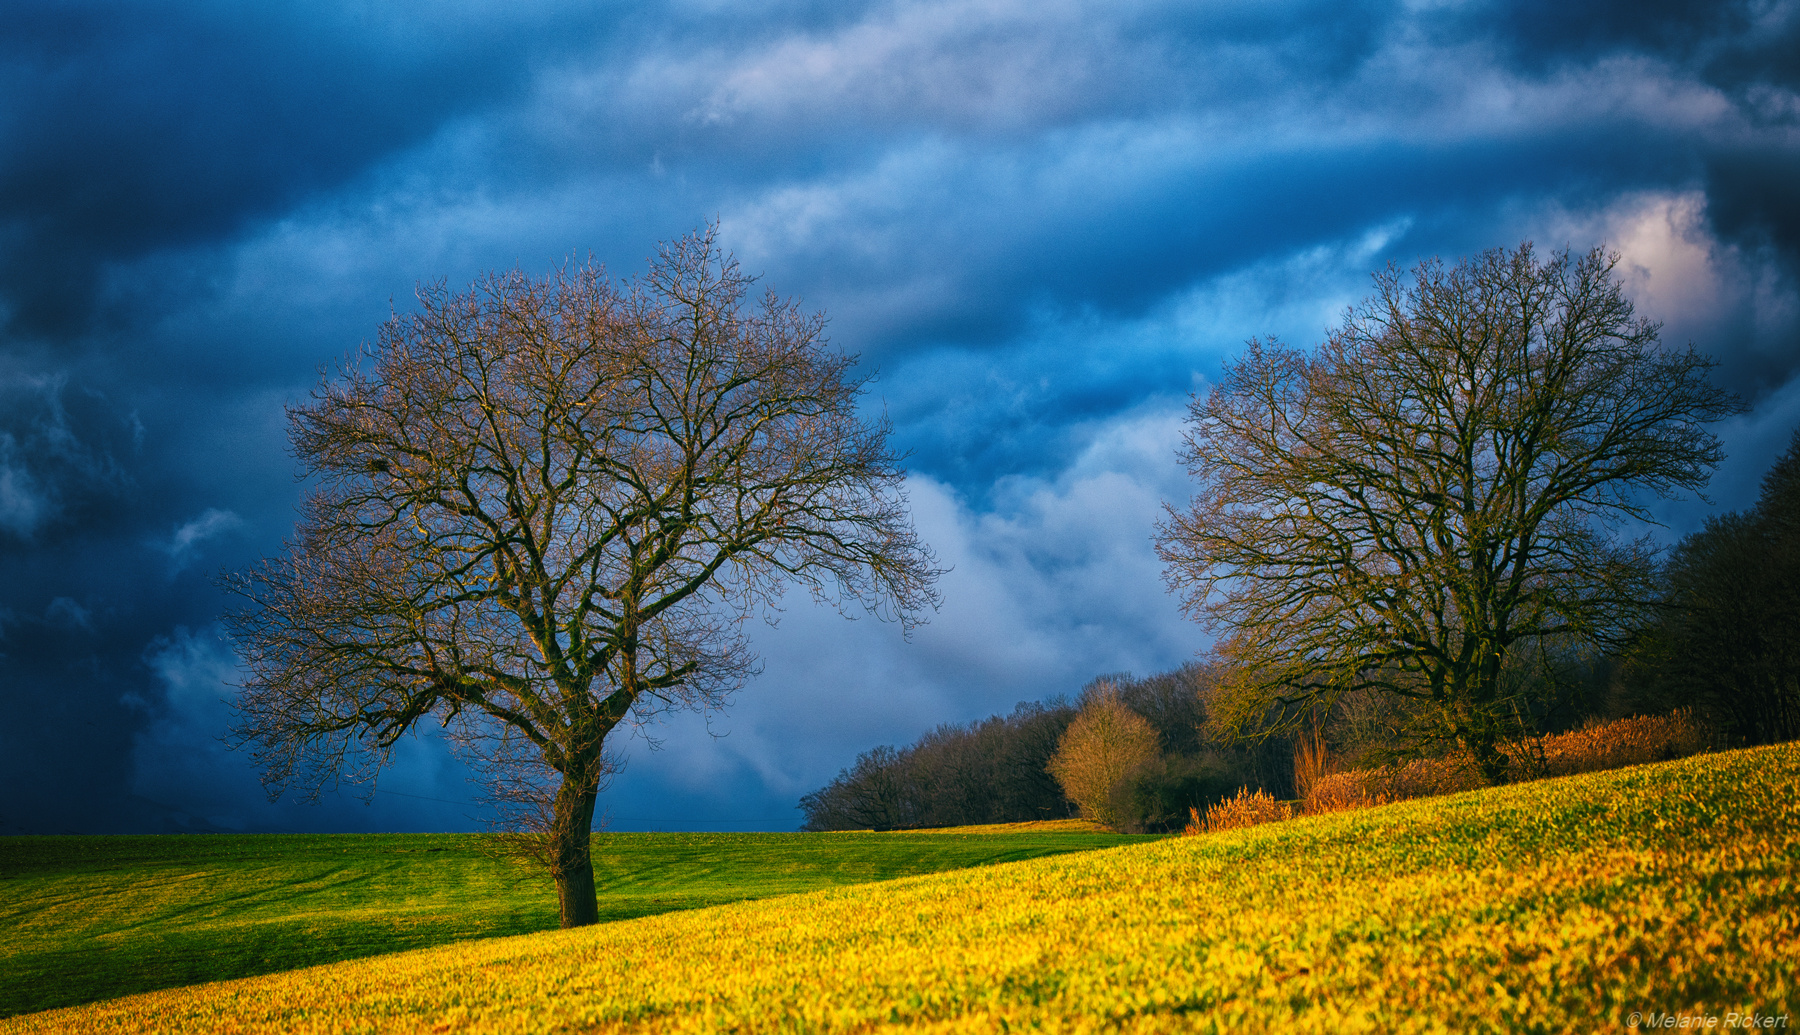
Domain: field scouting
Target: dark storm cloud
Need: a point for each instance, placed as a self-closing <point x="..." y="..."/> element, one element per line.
<point x="135" y="126"/>
<point x="63" y="453"/>
<point x="1729" y="42"/>
<point x="1754" y="198"/>
<point x="1045" y="223"/>
<point x="1747" y="49"/>
<point x="72" y="595"/>
<point x="130" y="129"/>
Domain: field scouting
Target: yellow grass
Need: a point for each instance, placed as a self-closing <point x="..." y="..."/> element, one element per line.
<point x="1034" y="826"/>
<point x="1560" y="905"/>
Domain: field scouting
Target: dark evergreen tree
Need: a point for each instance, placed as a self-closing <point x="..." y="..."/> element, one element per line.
<point x="1730" y="639"/>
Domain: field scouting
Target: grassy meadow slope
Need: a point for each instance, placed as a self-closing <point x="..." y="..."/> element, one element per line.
<point x="87" y="918"/>
<point x="1562" y="905"/>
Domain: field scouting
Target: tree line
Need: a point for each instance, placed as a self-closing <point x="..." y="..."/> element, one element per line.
<point x="1727" y="640"/>
<point x="1722" y="637"/>
<point x="999" y="769"/>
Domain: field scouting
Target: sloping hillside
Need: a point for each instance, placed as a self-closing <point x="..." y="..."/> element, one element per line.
<point x="1562" y="905"/>
<point x="90" y="918"/>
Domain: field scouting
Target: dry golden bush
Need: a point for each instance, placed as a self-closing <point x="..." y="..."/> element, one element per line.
<point x="1612" y="745"/>
<point x="1419" y="778"/>
<point x="1312" y="762"/>
<point x="1248" y="809"/>
<point x="1341" y="792"/>
<point x="1106" y="743"/>
<point x="1633" y="741"/>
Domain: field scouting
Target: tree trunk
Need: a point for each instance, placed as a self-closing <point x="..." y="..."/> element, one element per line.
<point x="1481" y="731"/>
<point x="572" y="863"/>
<point x="1477" y="730"/>
<point x="1483" y="746"/>
<point x="576" y="900"/>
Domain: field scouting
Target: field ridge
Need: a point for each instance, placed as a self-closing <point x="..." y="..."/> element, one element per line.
<point x="1560" y="905"/>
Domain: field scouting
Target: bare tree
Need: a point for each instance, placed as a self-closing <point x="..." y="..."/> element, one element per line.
<point x="543" y="509"/>
<point x="1439" y="482"/>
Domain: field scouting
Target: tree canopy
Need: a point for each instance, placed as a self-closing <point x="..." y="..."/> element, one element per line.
<point x="1436" y="489"/>
<point x="543" y="508"/>
<point x="1104" y="744"/>
<point x="1729" y="637"/>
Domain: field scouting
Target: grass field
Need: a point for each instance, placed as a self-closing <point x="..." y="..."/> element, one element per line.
<point x="1664" y="891"/>
<point x="86" y="918"/>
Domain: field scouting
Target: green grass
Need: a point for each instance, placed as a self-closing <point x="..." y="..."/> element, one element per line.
<point x="1656" y="895"/>
<point x="88" y="918"/>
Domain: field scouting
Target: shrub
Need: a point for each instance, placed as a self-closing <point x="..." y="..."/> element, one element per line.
<point x="1105" y="744"/>
<point x="1419" y="778"/>
<point x="1623" y="742"/>
<point x="1248" y="809"/>
<point x="1611" y="745"/>
<point x="1312" y="762"/>
<point x="1159" y="796"/>
<point x="1340" y="792"/>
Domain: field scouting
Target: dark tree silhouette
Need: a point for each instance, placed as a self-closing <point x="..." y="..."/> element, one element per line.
<point x="991" y="771"/>
<point x="997" y="770"/>
<point x="542" y="509"/>
<point x="1434" y="488"/>
<point x="1730" y="641"/>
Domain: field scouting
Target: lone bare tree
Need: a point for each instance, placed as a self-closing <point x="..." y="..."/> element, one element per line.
<point x="544" y="508"/>
<point x="1435" y="487"/>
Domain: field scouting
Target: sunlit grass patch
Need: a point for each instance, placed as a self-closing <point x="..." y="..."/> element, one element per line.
<point x="1560" y="905"/>
<point x="1034" y="826"/>
<point x="86" y="918"/>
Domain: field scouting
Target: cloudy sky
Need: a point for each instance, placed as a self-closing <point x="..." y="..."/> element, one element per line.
<point x="1044" y="223"/>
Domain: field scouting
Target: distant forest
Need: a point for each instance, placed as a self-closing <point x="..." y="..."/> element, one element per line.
<point x="994" y="770"/>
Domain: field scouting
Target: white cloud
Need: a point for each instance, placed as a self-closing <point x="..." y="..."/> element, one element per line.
<point x="1732" y="302"/>
<point x="1058" y="582"/>
<point x="184" y="543"/>
<point x="999" y="63"/>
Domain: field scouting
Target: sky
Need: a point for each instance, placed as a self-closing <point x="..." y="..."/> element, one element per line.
<point x="1043" y="224"/>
